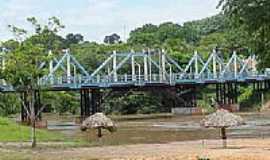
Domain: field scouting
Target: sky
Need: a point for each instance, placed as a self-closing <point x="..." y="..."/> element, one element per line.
<point x="95" y="19"/>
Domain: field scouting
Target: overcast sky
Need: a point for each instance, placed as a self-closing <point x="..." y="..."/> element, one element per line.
<point x="96" y="18"/>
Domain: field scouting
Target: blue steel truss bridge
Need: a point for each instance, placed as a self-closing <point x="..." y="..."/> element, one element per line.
<point x="152" y="69"/>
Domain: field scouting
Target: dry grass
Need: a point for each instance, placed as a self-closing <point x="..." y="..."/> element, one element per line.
<point x="239" y="149"/>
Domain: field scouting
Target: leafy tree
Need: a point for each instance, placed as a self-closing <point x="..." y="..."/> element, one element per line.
<point x="254" y="17"/>
<point x="22" y="64"/>
<point x="214" y="40"/>
<point x="73" y="39"/>
<point x="46" y="36"/>
<point x="112" y="39"/>
<point x="144" y="36"/>
<point x="169" y="30"/>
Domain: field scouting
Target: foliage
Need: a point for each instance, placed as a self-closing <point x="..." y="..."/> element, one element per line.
<point x="112" y="39"/>
<point x="138" y="103"/>
<point x="61" y="102"/>
<point x="23" y="69"/>
<point x="9" y="104"/>
<point x="254" y="17"/>
<point x="249" y="99"/>
<point x="73" y="38"/>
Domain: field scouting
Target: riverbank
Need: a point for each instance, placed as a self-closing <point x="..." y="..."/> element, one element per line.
<point x="238" y="149"/>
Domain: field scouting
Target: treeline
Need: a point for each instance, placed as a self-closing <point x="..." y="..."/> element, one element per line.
<point x="227" y="31"/>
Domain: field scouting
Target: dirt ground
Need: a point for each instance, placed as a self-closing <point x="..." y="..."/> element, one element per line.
<point x="238" y="149"/>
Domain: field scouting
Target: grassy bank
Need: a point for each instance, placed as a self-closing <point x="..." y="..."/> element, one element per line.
<point x="13" y="132"/>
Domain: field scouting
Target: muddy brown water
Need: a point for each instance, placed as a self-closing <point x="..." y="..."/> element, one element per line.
<point x="163" y="130"/>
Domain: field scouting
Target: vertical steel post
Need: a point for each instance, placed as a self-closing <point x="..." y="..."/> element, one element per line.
<point x="163" y="63"/>
<point x="150" y="67"/>
<point x="114" y="66"/>
<point x="51" y="68"/>
<point x="145" y="68"/>
<point x="196" y="65"/>
<point x="74" y="75"/>
<point x="214" y="64"/>
<point x="133" y="68"/>
<point x="235" y="64"/>
<point x="68" y="67"/>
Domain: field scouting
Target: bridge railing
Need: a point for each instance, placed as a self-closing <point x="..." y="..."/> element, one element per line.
<point x="106" y="80"/>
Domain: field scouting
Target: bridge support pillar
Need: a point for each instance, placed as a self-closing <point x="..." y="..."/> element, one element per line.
<point x="90" y="102"/>
<point x="227" y="93"/>
<point x="259" y="87"/>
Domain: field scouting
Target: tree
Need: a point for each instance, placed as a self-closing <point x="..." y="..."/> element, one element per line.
<point x="112" y="39"/>
<point x="145" y="36"/>
<point x="23" y="70"/>
<point x="254" y="17"/>
<point x="169" y="30"/>
<point x="73" y="39"/>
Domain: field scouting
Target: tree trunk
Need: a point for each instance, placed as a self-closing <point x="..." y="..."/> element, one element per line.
<point x="99" y="133"/>
<point x="224" y="137"/>
<point x="33" y="118"/>
<point x="34" y="140"/>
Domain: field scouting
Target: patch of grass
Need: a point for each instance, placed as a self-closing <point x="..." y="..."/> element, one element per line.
<point x="13" y="132"/>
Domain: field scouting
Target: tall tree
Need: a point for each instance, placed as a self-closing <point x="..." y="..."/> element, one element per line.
<point x="23" y="69"/>
<point x="254" y="17"/>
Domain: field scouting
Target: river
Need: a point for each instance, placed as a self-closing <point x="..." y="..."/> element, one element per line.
<point x="163" y="130"/>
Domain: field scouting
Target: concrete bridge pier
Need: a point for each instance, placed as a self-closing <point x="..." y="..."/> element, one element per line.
<point x="90" y="102"/>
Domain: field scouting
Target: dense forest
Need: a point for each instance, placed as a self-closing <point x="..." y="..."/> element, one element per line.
<point x="241" y="26"/>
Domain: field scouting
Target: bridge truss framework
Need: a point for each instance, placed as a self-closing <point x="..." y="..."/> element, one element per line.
<point x="151" y="69"/>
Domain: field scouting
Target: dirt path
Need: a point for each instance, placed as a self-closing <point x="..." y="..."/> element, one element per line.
<point x="239" y="149"/>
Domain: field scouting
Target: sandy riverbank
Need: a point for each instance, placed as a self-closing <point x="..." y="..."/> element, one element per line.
<point x="238" y="149"/>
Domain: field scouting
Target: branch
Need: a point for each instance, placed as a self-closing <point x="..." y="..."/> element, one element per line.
<point x="25" y="107"/>
<point x="40" y="110"/>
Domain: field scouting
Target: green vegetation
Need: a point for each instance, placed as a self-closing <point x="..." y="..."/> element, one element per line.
<point x="22" y="64"/>
<point x="253" y="18"/>
<point x="12" y="132"/>
<point x="235" y="28"/>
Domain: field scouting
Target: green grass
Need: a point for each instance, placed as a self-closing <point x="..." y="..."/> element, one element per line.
<point x="13" y="132"/>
